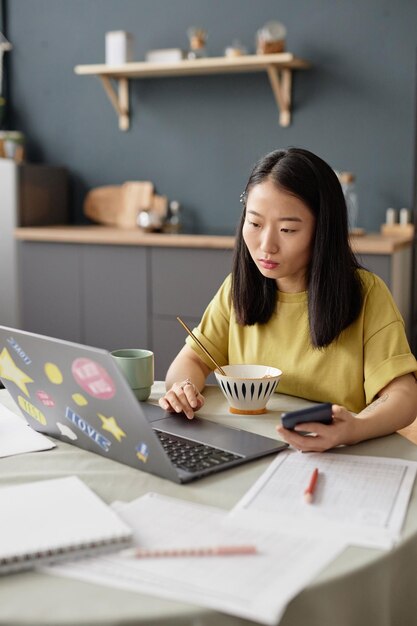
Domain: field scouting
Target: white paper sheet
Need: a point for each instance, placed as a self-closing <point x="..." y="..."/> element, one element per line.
<point x="363" y="497"/>
<point x="256" y="587"/>
<point x="17" y="437"/>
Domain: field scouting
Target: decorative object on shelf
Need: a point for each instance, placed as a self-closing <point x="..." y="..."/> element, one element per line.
<point x="165" y="55"/>
<point x="271" y="38"/>
<point x="119" y="47"/>
<point x="12" y="145"/>
<point x="235" y="50"/>
<point x="197" y="39"/>
<point x="121" y="205"/>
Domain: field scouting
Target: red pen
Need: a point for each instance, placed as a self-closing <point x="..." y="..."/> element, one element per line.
<point x="309" y="492"/>
<point x="228" y="550"/>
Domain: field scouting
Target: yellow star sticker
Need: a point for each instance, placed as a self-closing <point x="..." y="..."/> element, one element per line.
<point x="110" y="424"/>
<point x="10" y="371"/>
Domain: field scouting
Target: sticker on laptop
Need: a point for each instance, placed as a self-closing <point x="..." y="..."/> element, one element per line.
<point x="13" y="343"/>
<point x="79" y="399"/>
<point x="66" y="431"/>
<point x="93" y="378"/>
<point x="87" y="429"/>
<point x="31" y="410"/>
<point x="10" y="371"/>
<point x="53" y="373"/>
<point x="45" y="398"/>
<point x="142" y="452"/>
<point x="110" y="424"/>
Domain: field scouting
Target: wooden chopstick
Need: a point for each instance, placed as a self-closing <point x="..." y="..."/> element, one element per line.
<point x="190" y="332"/>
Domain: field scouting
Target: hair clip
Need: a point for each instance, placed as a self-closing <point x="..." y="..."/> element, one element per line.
<point x="242" y="198"/>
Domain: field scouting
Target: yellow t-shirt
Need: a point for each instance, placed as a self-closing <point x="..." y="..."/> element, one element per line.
<point x="365" y="357"/>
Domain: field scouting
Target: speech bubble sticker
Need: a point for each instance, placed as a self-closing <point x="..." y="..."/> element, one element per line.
<point x="93" y="378"/>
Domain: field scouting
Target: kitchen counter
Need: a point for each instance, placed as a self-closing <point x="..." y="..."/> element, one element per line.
<point x="113" y="288"/>
<point x="119" y="236"/>
<point x="373" y="243"/>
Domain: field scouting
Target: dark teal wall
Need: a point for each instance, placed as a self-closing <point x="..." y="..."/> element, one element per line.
<point x="196" y="138"/>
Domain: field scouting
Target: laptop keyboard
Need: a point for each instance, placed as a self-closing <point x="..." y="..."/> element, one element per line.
<point x="192" y="456"/>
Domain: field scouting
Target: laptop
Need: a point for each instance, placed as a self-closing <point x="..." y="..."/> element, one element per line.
<point x="77" y="394"/>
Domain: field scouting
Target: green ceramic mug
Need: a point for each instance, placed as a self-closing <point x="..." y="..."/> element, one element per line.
<point x="138" y="368"/>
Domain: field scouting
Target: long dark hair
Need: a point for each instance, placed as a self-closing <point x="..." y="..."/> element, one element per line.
<point x="333" y="283"/>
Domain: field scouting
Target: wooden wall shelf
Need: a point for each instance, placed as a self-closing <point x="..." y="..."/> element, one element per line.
<point x="279" y="68"/>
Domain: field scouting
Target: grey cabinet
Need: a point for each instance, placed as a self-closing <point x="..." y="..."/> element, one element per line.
<point x="115" y="296"/>
<point x="114" y="282"/>
<point x="118" y="296"/>
<point x="97" y="295"/>
<point x="50" y="289"/>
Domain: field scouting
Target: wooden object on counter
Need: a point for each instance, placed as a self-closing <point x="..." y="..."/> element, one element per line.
<point x="119" y="205"/>
<point x="136" y="197"/>
<point x="159" y="206"/>
<point x="402" y="230"/>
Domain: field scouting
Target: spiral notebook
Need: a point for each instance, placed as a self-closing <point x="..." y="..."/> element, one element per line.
<point x="53" y="520"/>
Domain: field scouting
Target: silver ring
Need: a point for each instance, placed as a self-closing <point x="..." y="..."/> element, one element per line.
<point x="186" y="382"/>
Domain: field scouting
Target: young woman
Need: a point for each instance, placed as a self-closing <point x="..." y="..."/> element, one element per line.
<point x="297" y="299"/>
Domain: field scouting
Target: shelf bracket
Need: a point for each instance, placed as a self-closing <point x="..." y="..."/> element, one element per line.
<point x="119" y="100"/>
<point x="281" y="83"/>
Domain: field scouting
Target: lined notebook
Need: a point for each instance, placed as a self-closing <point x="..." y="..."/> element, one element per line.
<point x="48" y="521"/>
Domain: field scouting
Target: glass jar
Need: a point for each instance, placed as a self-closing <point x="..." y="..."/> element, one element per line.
<point x="173" y="222"/>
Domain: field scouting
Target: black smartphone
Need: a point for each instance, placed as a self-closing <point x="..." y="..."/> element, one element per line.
<point x="319" y="413"/>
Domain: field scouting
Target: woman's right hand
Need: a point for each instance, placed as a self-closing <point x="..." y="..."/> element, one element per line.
<point x="182" y="397"/>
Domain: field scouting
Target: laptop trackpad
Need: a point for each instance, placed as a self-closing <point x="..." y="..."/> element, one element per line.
<point x="153" y="412"/>
<point x="213" y="434"/>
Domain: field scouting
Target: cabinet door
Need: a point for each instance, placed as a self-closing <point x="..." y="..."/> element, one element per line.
<point x="395" y="271"/>
<point x="184" y="280"/>
<point x="49" y="289"/>
<point x="183" y="283"/>
<point x="115" y="297"/>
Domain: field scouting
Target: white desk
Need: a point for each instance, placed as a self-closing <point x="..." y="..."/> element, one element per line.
<point x="361" y="587"/>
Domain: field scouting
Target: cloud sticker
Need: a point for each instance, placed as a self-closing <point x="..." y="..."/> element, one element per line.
<point x="66" y="431"/>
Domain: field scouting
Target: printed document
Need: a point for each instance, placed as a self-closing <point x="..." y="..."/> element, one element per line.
<point x="362" y="497"/>
<point x="256" y="586"/>
<point x="17" y="437"/>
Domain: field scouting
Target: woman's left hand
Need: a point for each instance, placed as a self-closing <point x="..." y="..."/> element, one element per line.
<point x="322" y="437"/>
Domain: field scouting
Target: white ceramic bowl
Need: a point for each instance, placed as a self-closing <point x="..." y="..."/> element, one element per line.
<point x="248" y="388"/>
